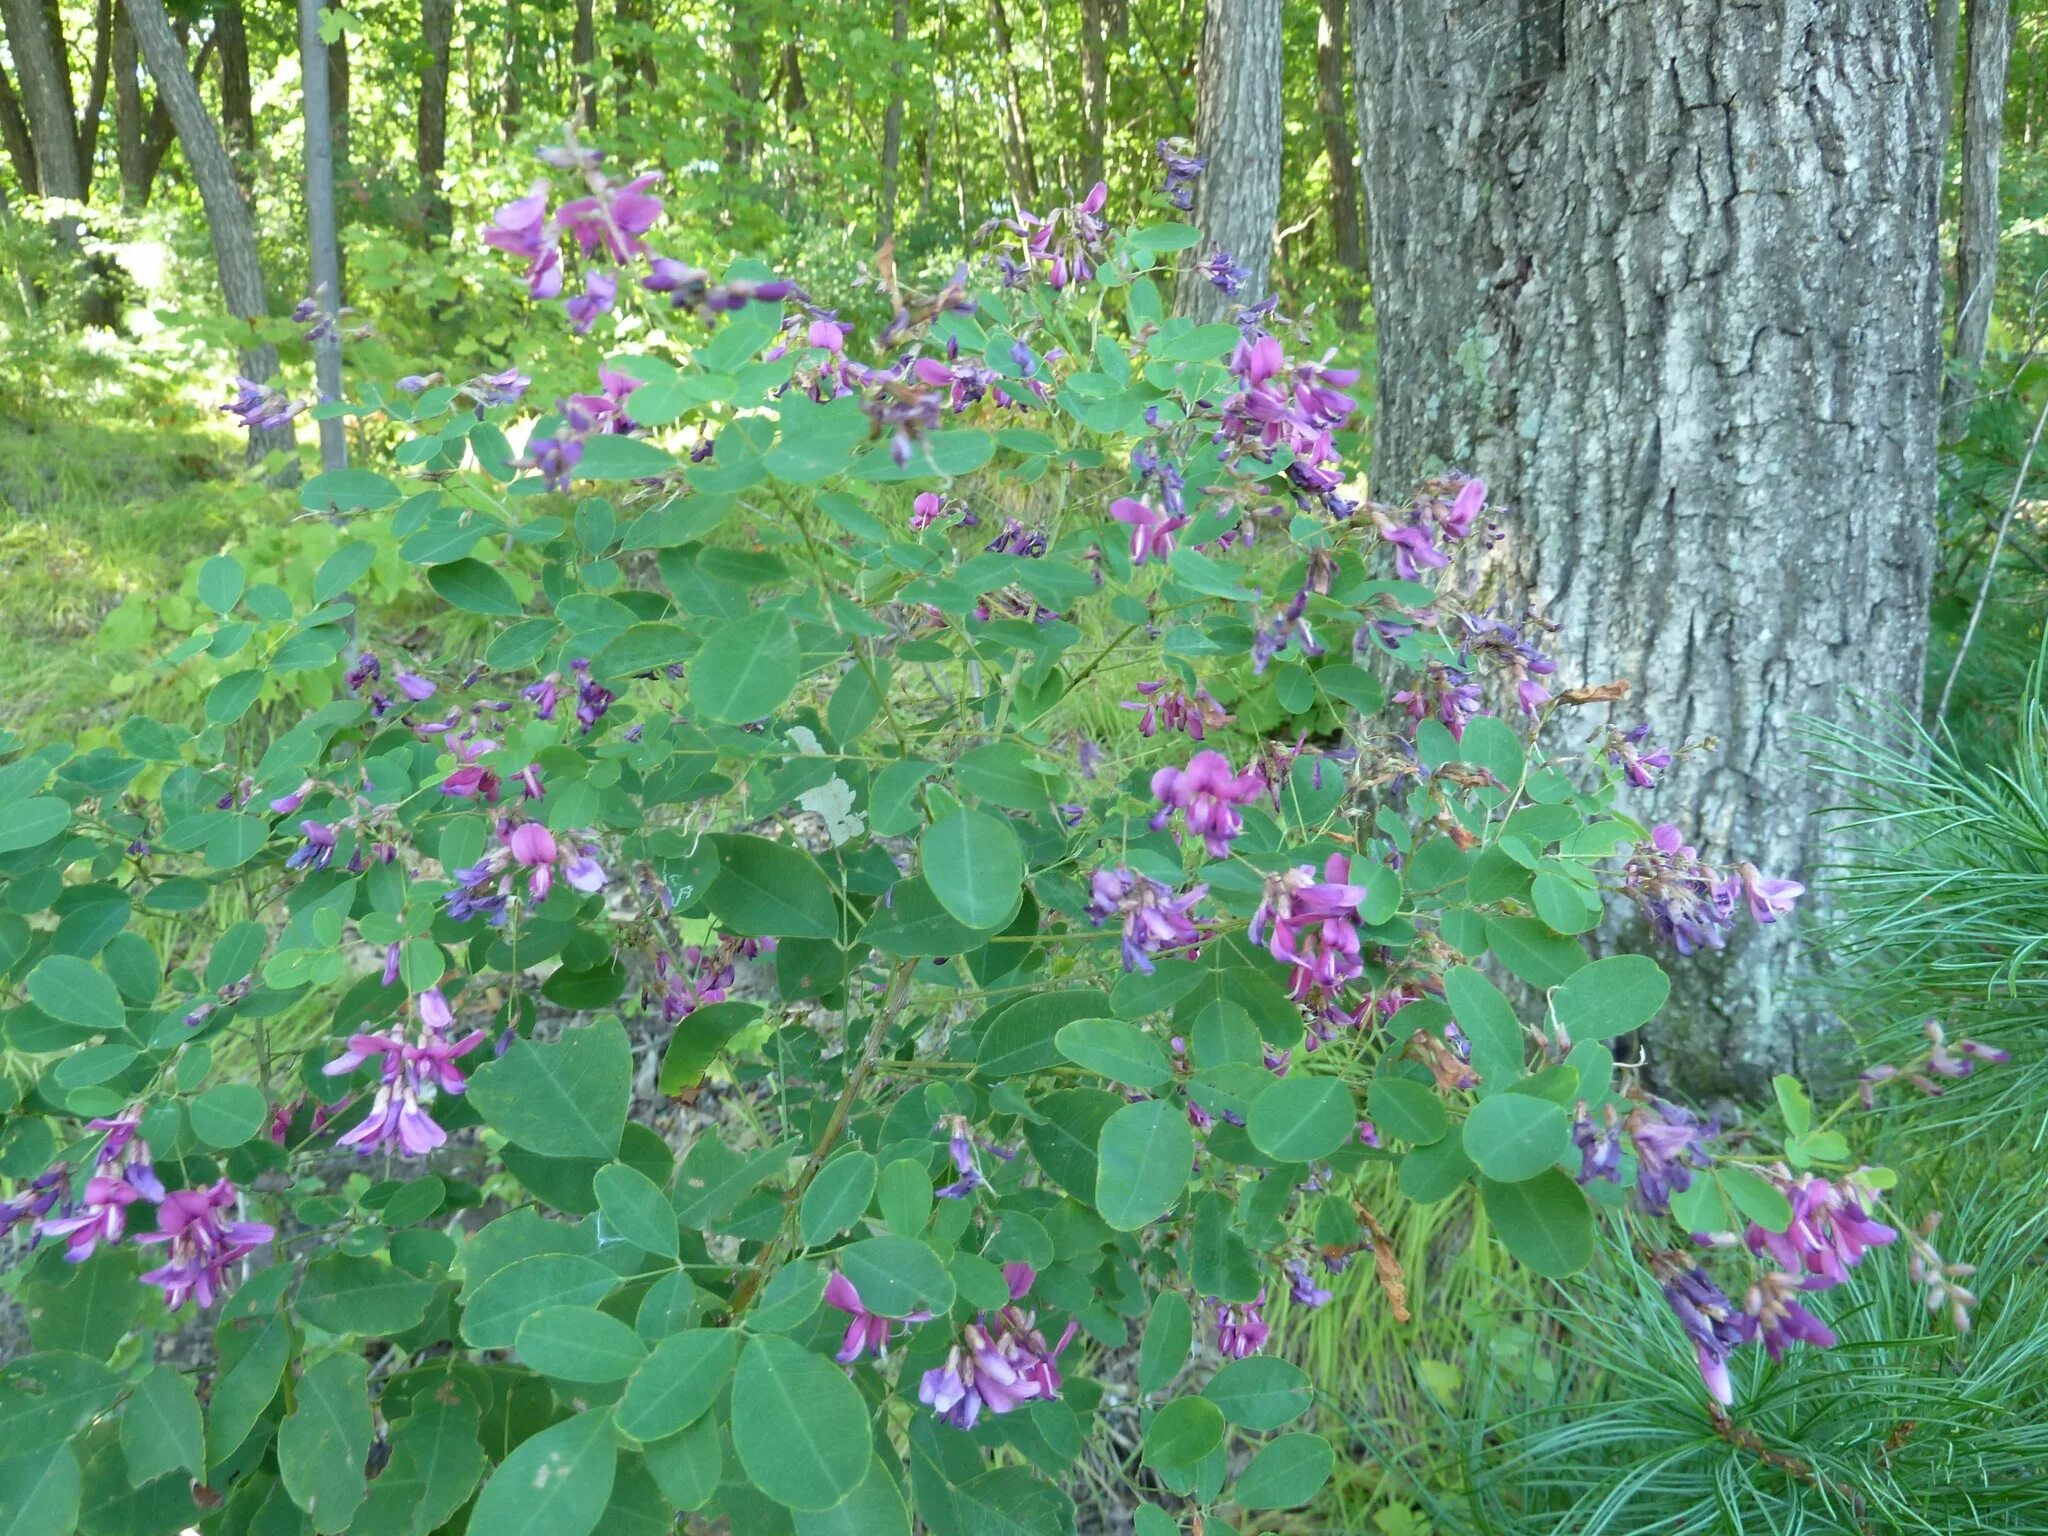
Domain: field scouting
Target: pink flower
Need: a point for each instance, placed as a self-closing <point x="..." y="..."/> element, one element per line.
<point x="867" y="1331"/>
<point x="1152" y="531"/>
<point x="1209" y="792"/>
<point x="199" y="1246"/>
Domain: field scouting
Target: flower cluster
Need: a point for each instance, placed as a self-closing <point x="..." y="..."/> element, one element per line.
<point x="1001" y="1362"/>
<point x="1183" y="168"/>
<point x="485" y="887"/>
<point x="1208" y="792"/>
<point x="1292" y="406"/>
<point x="1442" y="512"/>
<point x="1689" y="903"/>
<point x="1067" y="244"/>
<point x="1314" y="926"/>
<point x="1155" y="920"/>
<point x="1163" y="704"/>
<point x="1944" y="1060"/>
<point x="413" y="1068"/>
<point x="261" y="408"/>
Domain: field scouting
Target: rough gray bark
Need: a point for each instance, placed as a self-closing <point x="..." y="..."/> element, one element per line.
<point x="437" y="36"/>
<point x="1094" y="91"/>
<point x="237" y="94"/>
<point x="1238" y="129"/>
<point x="1667" y="276"/>
<point x="227" y="216"/>
<point x="892" y="129"/>
<point x="322" y="241"/>
<point x="1988" y="44"/>
<point x="1332" y="30"/>
<point x="45" y="83"/>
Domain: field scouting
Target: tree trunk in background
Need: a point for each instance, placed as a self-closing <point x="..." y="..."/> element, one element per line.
<point x="227" y="216"/>
<point x="322" y="245"/>
<point x="45" y="82"/>
<point x="632" y="57"/>
<point x="237" y="94"/>
<point x="96" y="85"/>
<point x="892" y="129"/>
<point x="583" y="64"/>
<point x="131" y="148"/>
<point x="1948" y="23"/>
<point x="1237" y="128"/>
<point x="511" y="102"/>
<point x="437" y="36"/>
<point x="1668" y="278"/>
<point x="338" y="77"/>
<point x="743" y="73"/>
<point x="1094" y="92"/>
<point x="1016" y="130"/>
<point x="14" y="135"/>
<point x="1988" y="43"/>
<point x="1332" y="30"/>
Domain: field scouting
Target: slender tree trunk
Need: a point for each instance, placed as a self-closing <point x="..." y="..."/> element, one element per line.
<point x="160" y="135"/>
<point x="1948" y="21"/>
<point x="1989" y="46"/>
<point x="339" y="73"/>
<point x="1238" y="127"/>
<point x="96" y="85"/>
<point x="583" y="63"/>
<point x="632" y="57"/>
<point x="892" y="128"/>
<point x="323" y="245"/>
<point x="1332" y="30"/>
<point x="1667" y="276"/>
<point x="130" y="117"/>
<point x="45" y="80"/>
<point x="1023" y="167"/>
<point x="227" y="215"/>
<point x="437" y="36"/>
<point x="511" y="100"/>
<point x="14" y="134"/>
<point x="237" y="93"/>
<point x="1094" y="92"/>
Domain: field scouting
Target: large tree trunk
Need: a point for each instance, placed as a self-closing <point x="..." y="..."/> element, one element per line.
<point x="131" y="118"/>
<point x="1332" y="32"/>
<point x="1948" y="24"/>
<point x="1667" y="276"/>
<point x="892" y="129"/>
<point x="1989" y="46"/>
<point x="437" y="36"/>
<point x="1094" y="92"/>
<point x="45" y="78"/>
<point x="227" y="216"/>
<point x="237" y="94"/>
<point x="1237" y="127"/>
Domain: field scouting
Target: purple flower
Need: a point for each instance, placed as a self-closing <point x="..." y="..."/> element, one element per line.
<point x="1241" y="1328"/>
<point x="1228" y="277"/>
<point x="613" y="219"/>
<point x="261" y="408"/>
<point x="1636" y="765"/>
<point x="1768" y="899"/>
<point x="1314" y="925"/>
<point x="1174" y="709"/>
<point x="1829" y="1232"/>
<point x="866" y="1332"/>
<point x="317" y="851"/>
<point x="1000" y="1364"/>
<point x="600" y="293"/>
<point x="1209" y="792"/>
<point x="1599" y="1148"/>
<point x="1182" y="167"/>
<point x="1774" y="1315"/>
<point x="1710" y="1321"/>
<point x="1670" y="1143"/>
<point x="1152" y="531"/>
<point x="198" y="1244"/>
<point x="1155" y="919"/>
<point x="413" y="686"/>
<point x="412" y="1070"/>
<point x="1301" y="1286"/>
<point x="522" y="228"/>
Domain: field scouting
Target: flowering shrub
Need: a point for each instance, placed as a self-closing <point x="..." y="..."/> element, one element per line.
<point x="987" y="1039"/>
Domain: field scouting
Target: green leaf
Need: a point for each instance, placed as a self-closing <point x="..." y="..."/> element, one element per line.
<point x="1756" y="1197"/>
<point x="1118" y="1051"/>
<point x="229" y="1115"/>
<point x="1489" y="1023"/>
<point x="343" y="569"/>
<point x="1169" y="1334"/>
<point x="1436" y="1171"/>
<point x="49" y="1397"/>
<point x="1260" y="1392"/>
<point x="325" y="1440"/>
<point x="688" y="1466"/>
<point x="161" y="1429"/>
<point x="643" y="648"/>
<point x="1545" y="1221"/>
<point x="582" y="1344"/>
<point x="567" y="1098"/>
<point x="676" y="1384"/>
<point x="974" y="866"/>
<point x="766" y="888"/>
<point x="1610" y="997"/>
<point x="475" y="588"/>
<point x="611" y="457"/>
<point x="245" y="1389"/>
<point x="1513" y="1136"/>
<point x="434" y="1466"/>
<point x="637" y="1209"/>
<point x="1286" y="1473"/>
<point x="1531" y="952"/>
<point x="1301" y="1118"/>
<point x="698" y="1039"/>
<point x="837" y="1197"/>
<point x="30" y="824"/>
<point x="221" y="580"/>
<point x="799" y="1425"/>
<point x="875" y="1508"/>
<point x="1010" y="1501"/>
<point x="1022" y="1035"/>
<point x="904" y="1194"/>
<point x="347" y="1294"/>
<point x="1183" y="1432"/>
<point x="1564" y="904"/>
<point x="70" y="989"/>
<point x="897" y="1276"/>
<point x="1143" y="1159"/>
<point x="1408" y="1111"/>
<point x="1793" y="1103"/>
<point x="39" y="1493"/>
<point x="555" y="1484"/>
<point x="493" y="1312"/>
<point x="748" y="671"/>
<point x="347" y="490"/>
